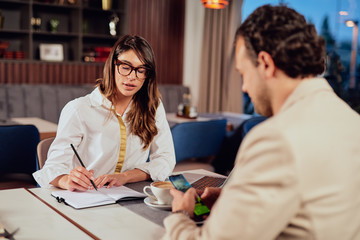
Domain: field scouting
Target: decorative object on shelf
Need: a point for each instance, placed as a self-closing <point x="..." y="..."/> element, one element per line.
<point x="215" y="4"/>
<point x="114" y="19"/>
<point x="96" y="54"/>
<point x="3" y="47"/>
<point x="13" y="55"/>
<point x="85" y="26"/>
<point x="106" y="4"/>
<point x="36" y="23"/>
<point x="1" y="20"/>
<point x="71" y="1"/>
<point x="53" y="25"/>
<point x="51" y="52"/>
<point x="185" y="109"/>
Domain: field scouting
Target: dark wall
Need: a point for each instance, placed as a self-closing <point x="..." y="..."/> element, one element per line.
<point x="161" y="22"/>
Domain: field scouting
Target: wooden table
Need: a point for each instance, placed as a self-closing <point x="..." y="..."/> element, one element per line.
<point x="234" y="120"/>
<point x="40" y="216"/>
<point x="46" y="129"/>
<point x="20" y="209"/>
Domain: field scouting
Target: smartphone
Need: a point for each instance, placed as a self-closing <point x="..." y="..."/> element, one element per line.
<point x="181" y="184"/>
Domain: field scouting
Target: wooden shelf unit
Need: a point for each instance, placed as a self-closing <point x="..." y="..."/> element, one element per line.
<point x="82" y="25"/>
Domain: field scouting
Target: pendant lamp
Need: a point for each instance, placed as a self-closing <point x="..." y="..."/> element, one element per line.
<point x="215" y="4"/>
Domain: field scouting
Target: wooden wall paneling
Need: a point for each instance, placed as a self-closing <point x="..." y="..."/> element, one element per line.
<point x="161" y="22"/>
<point x="2" y="72"/>
<point x="10" y="72"/>
<point x="63" y="72"/>
<point x="16" y="70"/>
<point x="30" y="70"/>
<point x="50" y="73"/>
<point x="82" y="74"/>
<point x="70" y="78"/>
<point x="24" y="71"/>
<point x="43" y="73"/>
<point x="57" y="74"/>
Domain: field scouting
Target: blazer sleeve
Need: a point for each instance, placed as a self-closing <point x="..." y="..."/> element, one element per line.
<point x="252" y="203"/>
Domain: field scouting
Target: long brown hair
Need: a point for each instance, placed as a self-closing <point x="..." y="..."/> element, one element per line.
<point x="141" y="116"/>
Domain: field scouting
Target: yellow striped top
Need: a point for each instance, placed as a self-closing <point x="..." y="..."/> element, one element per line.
<point x="122" y="151"/>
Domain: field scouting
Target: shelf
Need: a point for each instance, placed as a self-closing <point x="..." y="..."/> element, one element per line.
<point x="54" y="35"/>
<point x="13" y="3"/>
<point x="56" y="5"/>
<point x="99" y="36"/>
<point x="9" y="32"/>
<point x="99" y="10"/>
<point x="81" y="26"/>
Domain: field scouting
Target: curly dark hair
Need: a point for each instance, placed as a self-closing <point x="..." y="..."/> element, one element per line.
<point x="282" y="32"/>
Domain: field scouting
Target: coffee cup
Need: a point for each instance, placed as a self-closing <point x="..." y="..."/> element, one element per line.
<point x="160" y="192"/>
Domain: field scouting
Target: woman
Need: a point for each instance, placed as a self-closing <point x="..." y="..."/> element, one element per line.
<point x="114" y="128"/>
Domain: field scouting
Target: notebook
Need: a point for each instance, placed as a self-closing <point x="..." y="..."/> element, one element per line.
<point x="93" y="198"/>
<point x="208" y="181"/>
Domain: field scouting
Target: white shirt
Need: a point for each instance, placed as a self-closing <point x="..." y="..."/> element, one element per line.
<point x="87" y="123"/>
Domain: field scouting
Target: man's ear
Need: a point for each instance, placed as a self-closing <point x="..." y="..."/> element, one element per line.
<point x="267" y="63"/>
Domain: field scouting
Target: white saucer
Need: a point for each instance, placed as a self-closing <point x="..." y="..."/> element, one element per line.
<point x="154" y="204"/>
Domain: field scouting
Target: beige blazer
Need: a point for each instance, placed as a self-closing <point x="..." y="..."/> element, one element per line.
<point x="297" y="176"/>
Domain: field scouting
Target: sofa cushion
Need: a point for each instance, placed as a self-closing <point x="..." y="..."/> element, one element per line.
<point x="46" y="101"/>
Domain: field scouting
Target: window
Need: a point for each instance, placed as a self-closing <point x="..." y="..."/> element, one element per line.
<point x="330" y="18"/>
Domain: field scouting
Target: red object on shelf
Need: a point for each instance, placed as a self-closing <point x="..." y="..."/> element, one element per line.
<point x="96" y="54"/>
<point x="3" y="47"/>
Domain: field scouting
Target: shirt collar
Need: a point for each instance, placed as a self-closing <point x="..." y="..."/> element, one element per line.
<point x="97" y="99"/>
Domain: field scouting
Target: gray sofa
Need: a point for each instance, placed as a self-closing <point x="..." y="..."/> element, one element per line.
<point x="46" y="101"/>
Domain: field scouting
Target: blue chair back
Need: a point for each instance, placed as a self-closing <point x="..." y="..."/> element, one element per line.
<point x="18" y="149"/>
<point x="248" y="124"/>
<point x="224" y="161"/>
<point x="198" y="139"/>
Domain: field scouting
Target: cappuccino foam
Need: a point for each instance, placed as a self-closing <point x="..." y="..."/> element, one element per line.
<point x="163" y="184"/>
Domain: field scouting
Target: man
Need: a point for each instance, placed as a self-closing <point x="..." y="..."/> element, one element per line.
<point x="297" y="174"/>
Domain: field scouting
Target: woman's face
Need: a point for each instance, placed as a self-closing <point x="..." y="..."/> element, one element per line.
<point x="128" y="84"/>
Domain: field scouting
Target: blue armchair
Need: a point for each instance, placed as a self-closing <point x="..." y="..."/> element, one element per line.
<point x="18" y="155"/>
<point x="224" y="161"/>
<point x="198" y="139"/>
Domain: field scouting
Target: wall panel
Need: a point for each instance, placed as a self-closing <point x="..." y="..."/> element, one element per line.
<point x="49" y="73"/>
<point x="161" y="22"/>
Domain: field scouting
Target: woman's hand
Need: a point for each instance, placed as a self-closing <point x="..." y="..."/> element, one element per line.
<point x="117" y="179"/>
<point x="78" y="179"/>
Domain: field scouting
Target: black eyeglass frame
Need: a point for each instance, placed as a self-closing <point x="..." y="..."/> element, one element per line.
<point x="147" y="74"/>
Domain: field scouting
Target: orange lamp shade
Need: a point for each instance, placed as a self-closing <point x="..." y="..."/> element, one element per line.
<point x="215" y="4"/>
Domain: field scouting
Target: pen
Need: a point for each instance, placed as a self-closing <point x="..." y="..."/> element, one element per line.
<point x="82" y="164"/>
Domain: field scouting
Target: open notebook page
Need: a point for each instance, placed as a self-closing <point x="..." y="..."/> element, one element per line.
<point x="92" y="198"/>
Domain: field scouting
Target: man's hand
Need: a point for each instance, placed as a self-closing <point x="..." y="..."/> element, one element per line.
<point x="184" y="201"/>
<point x="210" y="195"/>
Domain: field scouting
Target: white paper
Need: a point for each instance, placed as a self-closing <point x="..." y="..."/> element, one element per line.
<point x="92" y="198"/>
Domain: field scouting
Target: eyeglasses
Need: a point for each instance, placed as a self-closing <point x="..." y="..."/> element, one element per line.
<point x="126" y="69"/>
